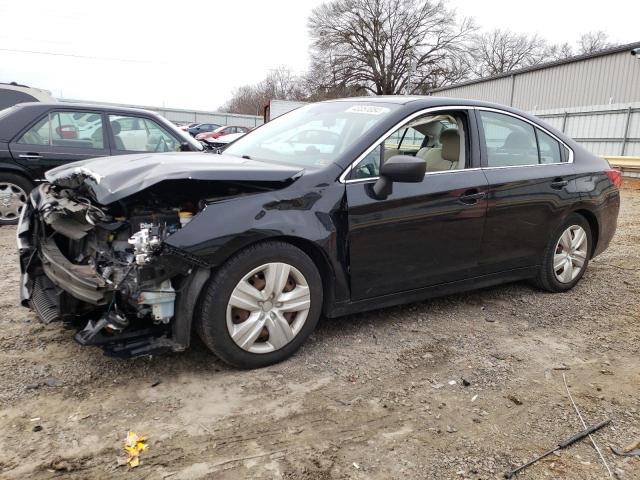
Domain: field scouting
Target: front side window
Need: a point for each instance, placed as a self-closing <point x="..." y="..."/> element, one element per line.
<point x="438" y="138"/>
<point x="136" y="134"/>
<point x="67" y="129"/>
<point x="314" y="135"/>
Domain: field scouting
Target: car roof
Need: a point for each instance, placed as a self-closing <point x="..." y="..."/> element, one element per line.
<point x="87" y="106"/>
<point x="421" y="101"/>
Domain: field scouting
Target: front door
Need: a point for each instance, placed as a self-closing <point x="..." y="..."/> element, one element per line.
<point x="133" y="134"/>
<point x="60" y="137"/>
<point x="424" y="233"/>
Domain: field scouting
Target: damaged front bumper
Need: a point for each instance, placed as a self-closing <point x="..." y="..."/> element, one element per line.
<point x="136" y="303"/>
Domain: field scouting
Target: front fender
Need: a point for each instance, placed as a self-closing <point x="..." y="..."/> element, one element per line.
<point x="228" y="225"/>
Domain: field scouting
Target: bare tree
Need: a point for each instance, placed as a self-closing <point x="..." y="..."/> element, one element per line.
<point x="385" y="47"/>
<point x="560" y="51"/>
<point x="279" y="84"/>
<point x="593" y="41"/>
<point x="500" y="51"/>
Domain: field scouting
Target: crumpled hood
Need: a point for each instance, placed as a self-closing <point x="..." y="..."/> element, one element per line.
<point x="113" y="178"/>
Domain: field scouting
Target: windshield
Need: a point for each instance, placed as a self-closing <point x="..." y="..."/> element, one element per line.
<point x="313" y="135"/>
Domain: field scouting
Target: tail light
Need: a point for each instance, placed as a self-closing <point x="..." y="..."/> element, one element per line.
<point x="615" y="176"/>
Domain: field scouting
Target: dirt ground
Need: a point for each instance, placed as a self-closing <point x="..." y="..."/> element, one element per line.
<point x="370" y="396"/>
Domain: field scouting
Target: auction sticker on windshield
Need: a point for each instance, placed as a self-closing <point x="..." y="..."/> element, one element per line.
<point x="367" y="109"/>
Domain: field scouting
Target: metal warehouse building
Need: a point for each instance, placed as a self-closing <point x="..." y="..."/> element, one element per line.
<point x="594" y="98"/>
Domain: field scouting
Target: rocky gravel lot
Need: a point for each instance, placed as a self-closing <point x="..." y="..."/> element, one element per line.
<point x="461" y="387"/>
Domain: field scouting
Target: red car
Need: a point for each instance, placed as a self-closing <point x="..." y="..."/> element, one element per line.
<point x="219" y="132"/>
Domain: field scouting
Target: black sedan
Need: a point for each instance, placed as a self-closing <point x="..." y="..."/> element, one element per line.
<point x="396" y="199"/>
<point x="35" y="137"/>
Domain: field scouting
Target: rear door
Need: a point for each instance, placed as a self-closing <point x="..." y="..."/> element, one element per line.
<point x="59" y="137"/>
<point x="424" y="233"/>
<point x="532" y="184"/>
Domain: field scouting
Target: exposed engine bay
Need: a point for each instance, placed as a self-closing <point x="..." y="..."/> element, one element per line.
<point x="106" y="269"/>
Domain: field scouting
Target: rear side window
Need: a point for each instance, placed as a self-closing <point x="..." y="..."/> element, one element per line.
<point x="509" y="141"/>
<point x="550" y="148"/>
<point x="512" y="142"/>
<point x="67" y="129"/>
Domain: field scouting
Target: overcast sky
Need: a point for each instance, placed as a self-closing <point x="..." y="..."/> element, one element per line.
<point x="192" y="54"/>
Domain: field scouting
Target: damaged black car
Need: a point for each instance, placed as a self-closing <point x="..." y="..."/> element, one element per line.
<point x="334" y="208"/>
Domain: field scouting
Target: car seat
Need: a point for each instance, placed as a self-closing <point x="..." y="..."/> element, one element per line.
<point x="115" y="128"/>
<point x="445" y="157"/>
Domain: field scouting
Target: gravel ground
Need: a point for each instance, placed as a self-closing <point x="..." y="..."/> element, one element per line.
<point x="369" y="396"/>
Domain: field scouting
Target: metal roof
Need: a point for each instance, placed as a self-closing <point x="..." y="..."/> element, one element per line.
<point x="542" y="66"/>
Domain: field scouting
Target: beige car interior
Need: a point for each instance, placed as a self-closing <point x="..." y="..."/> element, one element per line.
<point x="443" y="147"/>
<point x="447" y="155"/>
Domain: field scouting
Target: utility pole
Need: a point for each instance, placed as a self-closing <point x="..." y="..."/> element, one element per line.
<point x="410" y="70"/>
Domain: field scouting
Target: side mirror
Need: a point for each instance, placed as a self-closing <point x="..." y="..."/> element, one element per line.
<point x="399" y="168"/>
<point x="185" y="147"/>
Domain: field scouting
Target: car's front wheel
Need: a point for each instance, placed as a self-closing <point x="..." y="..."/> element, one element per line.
<point x="567" y="255"/>
<point x="261" y="305"/>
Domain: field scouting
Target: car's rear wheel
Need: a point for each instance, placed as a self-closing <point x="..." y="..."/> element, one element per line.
<point x="14" y="191"/>
<point x="567" y="255"/>
<point x="261" y="305"/>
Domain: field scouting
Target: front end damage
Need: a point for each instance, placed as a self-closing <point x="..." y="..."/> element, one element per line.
<point x="96" y="252"/>
<point x="106" y="271"/>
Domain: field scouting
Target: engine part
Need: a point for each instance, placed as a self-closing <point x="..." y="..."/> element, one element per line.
<point x="185" y="217"/>
<point x="145" y="242"/>
<point x="162" y="301"/>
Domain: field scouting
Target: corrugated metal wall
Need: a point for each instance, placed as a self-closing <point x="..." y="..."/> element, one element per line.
<point x="595" y="100"/>
<point x="189" y="116"/>
<point x="497" y="90"/>
<point x="613" y="78"/>
<point x="604" y="130"/>
<point x="181" y="116"/>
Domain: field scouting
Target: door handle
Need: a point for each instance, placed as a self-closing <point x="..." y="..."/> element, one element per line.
<point x="559" y="183"/>
<point x="471" y="197"/>
<point x="30" y="156"/>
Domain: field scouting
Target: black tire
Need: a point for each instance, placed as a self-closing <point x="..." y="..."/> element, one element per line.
<point x="21" y="182"/>
<point x="546" y="278"/>
<point x="211" y="321"/>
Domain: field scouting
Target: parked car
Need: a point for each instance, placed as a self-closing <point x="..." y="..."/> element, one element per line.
<point x="35" y="137"/>
<point x="202" y="128"/>
<point x="13" y="93"/>
<point x="221" y="143"/>
<point x="417" y="197"/>
<point x="186" y="127"/>
<point x="222" y="131"/>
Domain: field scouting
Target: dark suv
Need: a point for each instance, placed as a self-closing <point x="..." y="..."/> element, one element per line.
<point x="35" y="137"/>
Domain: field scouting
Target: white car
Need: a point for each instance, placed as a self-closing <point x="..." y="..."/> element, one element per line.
<point x="221" y="142"/>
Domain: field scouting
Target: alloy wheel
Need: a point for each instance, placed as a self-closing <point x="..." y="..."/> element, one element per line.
<point x="570" y="254"/>
<point x="12" y="199"/>
<point x="268" y="307"/>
